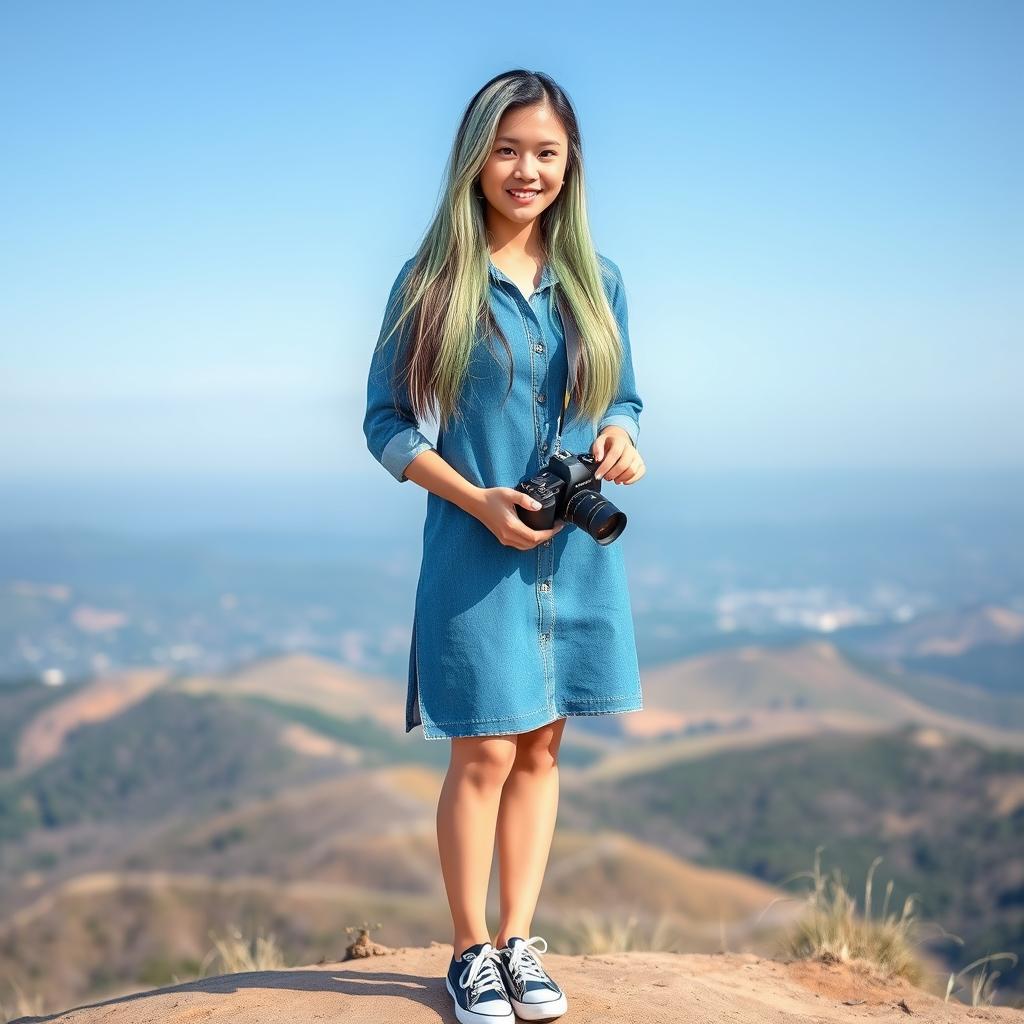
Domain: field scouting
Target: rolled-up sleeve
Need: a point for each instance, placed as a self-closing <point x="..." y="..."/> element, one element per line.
<point x="390" y="425"/>
<point x="625" y="408"/>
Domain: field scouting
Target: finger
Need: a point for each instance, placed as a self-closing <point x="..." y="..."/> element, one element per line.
<point x="520" y="535"/>
<point x="526" y="538"/>
<point x="544" y="536"/>
<point x="539" y="536"/>
<point x="613" y="449"/>
<point x="627" y="473"/>
<point x="639" y="468"/>
<point x="522" y="498"/>
<point x="512" y="538"/>
<point x="617" y="465"/>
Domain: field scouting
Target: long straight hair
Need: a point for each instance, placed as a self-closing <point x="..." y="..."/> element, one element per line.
<point x="444" y="303"/>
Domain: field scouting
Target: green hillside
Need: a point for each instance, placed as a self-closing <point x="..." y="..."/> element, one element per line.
<point x="20" y="701"/>
<point x="170" y="753"/>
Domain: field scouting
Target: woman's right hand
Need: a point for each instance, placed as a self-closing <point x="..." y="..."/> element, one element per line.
<point x="497" y="511"/>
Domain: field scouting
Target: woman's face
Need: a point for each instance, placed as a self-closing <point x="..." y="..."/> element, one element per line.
<point x="529" y="153"/>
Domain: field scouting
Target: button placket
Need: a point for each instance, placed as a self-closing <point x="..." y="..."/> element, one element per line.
<point x="545" y="564"/>
<point x="545" y="553"/>
<point x="538" y="374"/>
<point x="517" y="298"/>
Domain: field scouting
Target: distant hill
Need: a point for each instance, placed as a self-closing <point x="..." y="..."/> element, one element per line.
<point x="806" y="688"/>
<point x="302" y="679"/>
<point x="981" y="647"/>
<point x="948" y="633"/>
<point x="43" y="736"/>
<point x="995" y="669"/>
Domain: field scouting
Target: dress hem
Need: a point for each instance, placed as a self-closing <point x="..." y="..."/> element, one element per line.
<point x="524" y="725"/>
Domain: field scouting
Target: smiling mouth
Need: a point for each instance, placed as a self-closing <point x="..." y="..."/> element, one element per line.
<point x="523" y="195"/>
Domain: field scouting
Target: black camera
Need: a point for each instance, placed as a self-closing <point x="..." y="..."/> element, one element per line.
<point x="567" y="489"/>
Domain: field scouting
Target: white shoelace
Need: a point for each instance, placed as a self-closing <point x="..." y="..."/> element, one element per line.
<point x="524" y="965"/>
<point x="481" y="973"/>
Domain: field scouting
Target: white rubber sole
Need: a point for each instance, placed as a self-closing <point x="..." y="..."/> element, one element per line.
<point x="540" y="1011"/>
<point x="471" y="1016"/>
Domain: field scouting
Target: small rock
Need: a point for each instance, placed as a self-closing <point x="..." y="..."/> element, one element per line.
<point x="363" y="947"/>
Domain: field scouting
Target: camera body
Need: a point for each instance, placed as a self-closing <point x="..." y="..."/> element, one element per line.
<point x="568" y="490"/>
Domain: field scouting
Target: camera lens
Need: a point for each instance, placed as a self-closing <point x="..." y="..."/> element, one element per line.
<point x="591" y="511"/>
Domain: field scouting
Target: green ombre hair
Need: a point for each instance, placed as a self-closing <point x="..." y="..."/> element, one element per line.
<point x="445" y="298"/>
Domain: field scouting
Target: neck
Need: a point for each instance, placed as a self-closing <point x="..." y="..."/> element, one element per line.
<point x="514" y="240"/>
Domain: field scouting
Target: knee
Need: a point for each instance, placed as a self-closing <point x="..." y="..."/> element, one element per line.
<point x="484" y="762"/>
<point x="536" y="753"/>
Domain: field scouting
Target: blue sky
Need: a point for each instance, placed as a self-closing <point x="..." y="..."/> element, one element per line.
<point x="816" y="208"/>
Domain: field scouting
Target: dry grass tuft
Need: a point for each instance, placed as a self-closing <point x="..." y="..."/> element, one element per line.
<point x="831" y="930"/>
<point x="20" y="1005"/>
<point x="233" y="953"/>
<point x="589" y="932"/>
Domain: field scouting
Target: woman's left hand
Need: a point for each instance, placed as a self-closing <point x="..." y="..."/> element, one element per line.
<point x="617" y="459"/>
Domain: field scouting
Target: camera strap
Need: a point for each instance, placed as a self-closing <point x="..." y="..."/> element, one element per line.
<point x="572" y="349"/>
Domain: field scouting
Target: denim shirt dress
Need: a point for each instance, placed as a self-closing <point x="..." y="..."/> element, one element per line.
<point x="503" y="640"/>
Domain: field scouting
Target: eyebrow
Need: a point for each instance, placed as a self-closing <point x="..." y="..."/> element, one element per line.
<point x="508" y="138"/>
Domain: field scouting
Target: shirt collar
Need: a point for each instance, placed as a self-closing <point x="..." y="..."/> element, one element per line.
<point x="547" y="275"/>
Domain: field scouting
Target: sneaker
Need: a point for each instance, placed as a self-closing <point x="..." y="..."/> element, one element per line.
<point x="475" y="983"/>
<point x="531" y="990"/>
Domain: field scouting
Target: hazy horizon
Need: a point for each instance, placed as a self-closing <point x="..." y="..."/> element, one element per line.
<point x="372" y="503"/>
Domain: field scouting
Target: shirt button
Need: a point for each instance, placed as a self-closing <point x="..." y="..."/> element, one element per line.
<point x="543" y="446"/>
<point x="538" y="348"/>
<point x="545" y="586"/>
<point x="547" y="543"/>
<point x="541" y="398"/>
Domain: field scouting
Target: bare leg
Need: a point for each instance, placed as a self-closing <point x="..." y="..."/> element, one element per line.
<point x="466" y="813"/>
<point x="526" y="824"/>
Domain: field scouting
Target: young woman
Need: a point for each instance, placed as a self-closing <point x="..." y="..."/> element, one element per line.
<point x="514" y="628"/>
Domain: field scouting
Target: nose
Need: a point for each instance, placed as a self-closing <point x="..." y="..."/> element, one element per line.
<point x="523" y="168"/>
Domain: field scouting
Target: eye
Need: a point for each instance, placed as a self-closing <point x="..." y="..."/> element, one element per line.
<point x="502" y="149"/>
